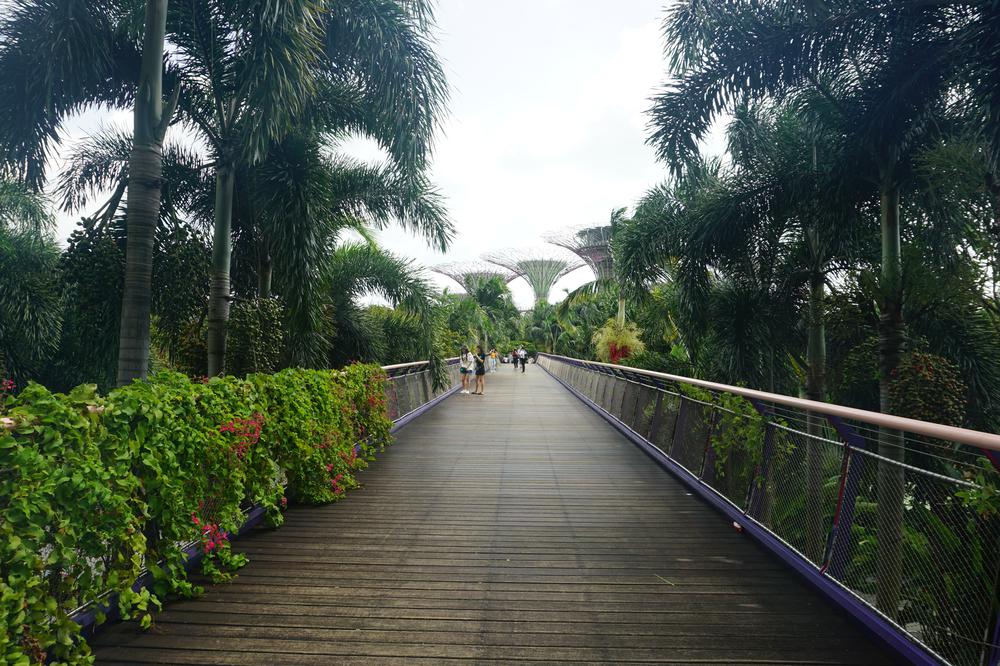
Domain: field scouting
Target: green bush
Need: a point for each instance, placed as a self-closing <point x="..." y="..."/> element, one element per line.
<point x="928" y="387"/>
<point x="614" y="342"/>
<point x="94" y="486"/>
<point x="256" y="336"/>
<point x="674" y="363"/>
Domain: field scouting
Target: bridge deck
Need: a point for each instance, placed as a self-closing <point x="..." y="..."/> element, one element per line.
<point x="517" y="526"/>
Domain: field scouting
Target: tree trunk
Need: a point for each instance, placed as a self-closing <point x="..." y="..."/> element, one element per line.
<point x="264" y="271"/>
<point x="621" y="312"/>
<point x="891" y="442"/>
<point x="143" y="208"/>
<point x="815" y="390"/>
<point x="993" y="189"/>
<point x="219" y="297"/>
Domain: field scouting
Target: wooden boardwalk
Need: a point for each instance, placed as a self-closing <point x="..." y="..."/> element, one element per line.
<point x="513" y="527"/>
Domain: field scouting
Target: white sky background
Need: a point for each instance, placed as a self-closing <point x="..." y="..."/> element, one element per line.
<point x="546" y="126"/>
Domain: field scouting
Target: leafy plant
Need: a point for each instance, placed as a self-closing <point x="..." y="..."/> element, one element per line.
<point x="615" y="342"/>
<point x="256" y="336"/>
<point x="928" y="387"/>
<point x="92" y="487"/>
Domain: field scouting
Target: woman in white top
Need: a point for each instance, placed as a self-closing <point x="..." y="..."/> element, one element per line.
<point x="466" y="367"/>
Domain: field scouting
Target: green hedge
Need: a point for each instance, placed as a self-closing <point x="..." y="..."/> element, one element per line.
<point x="91" y="486"/>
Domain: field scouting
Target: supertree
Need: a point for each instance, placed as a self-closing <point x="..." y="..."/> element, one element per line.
<point x="540" y="268"/>
<point x="592" y="243"/>
<point x="469" y="274"/>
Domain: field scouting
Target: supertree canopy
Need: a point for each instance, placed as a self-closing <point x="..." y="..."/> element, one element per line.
<point x="469" y="274"/>
<point x="590" y="243"/>
<point x="540" y="268"/>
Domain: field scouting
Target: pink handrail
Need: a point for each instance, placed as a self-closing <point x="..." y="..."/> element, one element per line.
<point x="982" y="440"/>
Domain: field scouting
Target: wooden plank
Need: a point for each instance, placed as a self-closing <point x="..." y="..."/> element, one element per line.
<point x="513" y="527"/>
<point x="281" y="649"/>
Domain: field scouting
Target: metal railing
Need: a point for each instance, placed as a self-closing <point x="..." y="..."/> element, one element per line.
<point x="410" y="386"/>
<point x="895" y="519"/>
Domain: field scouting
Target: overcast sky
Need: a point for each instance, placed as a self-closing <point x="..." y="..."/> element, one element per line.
<point x="546" y="125"/>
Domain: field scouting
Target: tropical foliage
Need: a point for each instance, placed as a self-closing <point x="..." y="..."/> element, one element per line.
<point x="89" y="476"/>
<point x="266" y="89"/>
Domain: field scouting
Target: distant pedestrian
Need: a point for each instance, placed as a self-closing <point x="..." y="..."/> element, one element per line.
<point x="522" y="356"/>
<point x="480" y="358"/>
<point x="493" y="359"/>
<point x="466" y="364"/>
<point x="514" y="359"/>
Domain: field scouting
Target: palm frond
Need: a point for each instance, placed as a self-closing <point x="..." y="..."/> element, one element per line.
<point x="99" y="164"/>
<point x="58" y="56"/>
<point x="30" y="302"/>
<point x="384" y="46"/>
<point x="22" y="209"/>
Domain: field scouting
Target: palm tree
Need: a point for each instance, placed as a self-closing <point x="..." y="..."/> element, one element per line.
<point x="652" y="248"/>
<point x="771" y="229"/>
<point x="486" y="313"/>
<point x="245" y="74"/>
<point x="882" y="70"/>
<point x="495" y="310"/>
<point x="605" y="280"/>
<point x="356" y="270"/>
<point x="59" y="57"/>
<point x="23" y="209"/>
<point x="290" y="213"/>
<point x="543" y="326"/>
<point x="303" y="199"/>
<point x="355" y="66"/>
<point x="30" y="303"/>
<point x="150" y="122"/>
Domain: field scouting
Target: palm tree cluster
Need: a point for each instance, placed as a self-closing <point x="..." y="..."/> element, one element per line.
<point x="228" y="193"/>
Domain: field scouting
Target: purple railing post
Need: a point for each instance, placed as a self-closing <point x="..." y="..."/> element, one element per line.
<point x="757" y="492"/>
<point x="993" y="659"/>
<point x="838" y="550"/>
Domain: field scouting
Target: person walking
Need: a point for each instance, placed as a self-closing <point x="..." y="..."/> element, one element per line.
<point x="493" y="359"/>
<point x="514" y="359"/>
<point x="522" y="355"/>
<point x="480" y="359"/>
<point x="466" y="365"/>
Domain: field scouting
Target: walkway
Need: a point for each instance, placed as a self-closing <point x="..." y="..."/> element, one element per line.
<point x="517" y="526"/>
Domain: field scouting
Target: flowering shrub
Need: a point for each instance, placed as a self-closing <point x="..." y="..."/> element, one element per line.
<point x="613" y="343"/>
<point x="92" y="487"/>
<point x="7" y="388"/>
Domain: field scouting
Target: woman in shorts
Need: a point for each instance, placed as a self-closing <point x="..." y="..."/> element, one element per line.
<point x="466" y="364"/>
<point x="480" y="358"/>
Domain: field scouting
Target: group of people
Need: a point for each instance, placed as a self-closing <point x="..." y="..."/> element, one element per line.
<point x="473" y="364"/>
<point x="476" y="365"/>
<point x="517" y="356"/>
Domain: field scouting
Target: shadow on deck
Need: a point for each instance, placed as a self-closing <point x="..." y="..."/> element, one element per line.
<point x="516" y="526"/>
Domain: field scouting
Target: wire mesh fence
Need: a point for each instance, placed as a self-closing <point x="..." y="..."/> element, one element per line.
<point x="908" y="524"/>
<point x="410" y="386"/>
